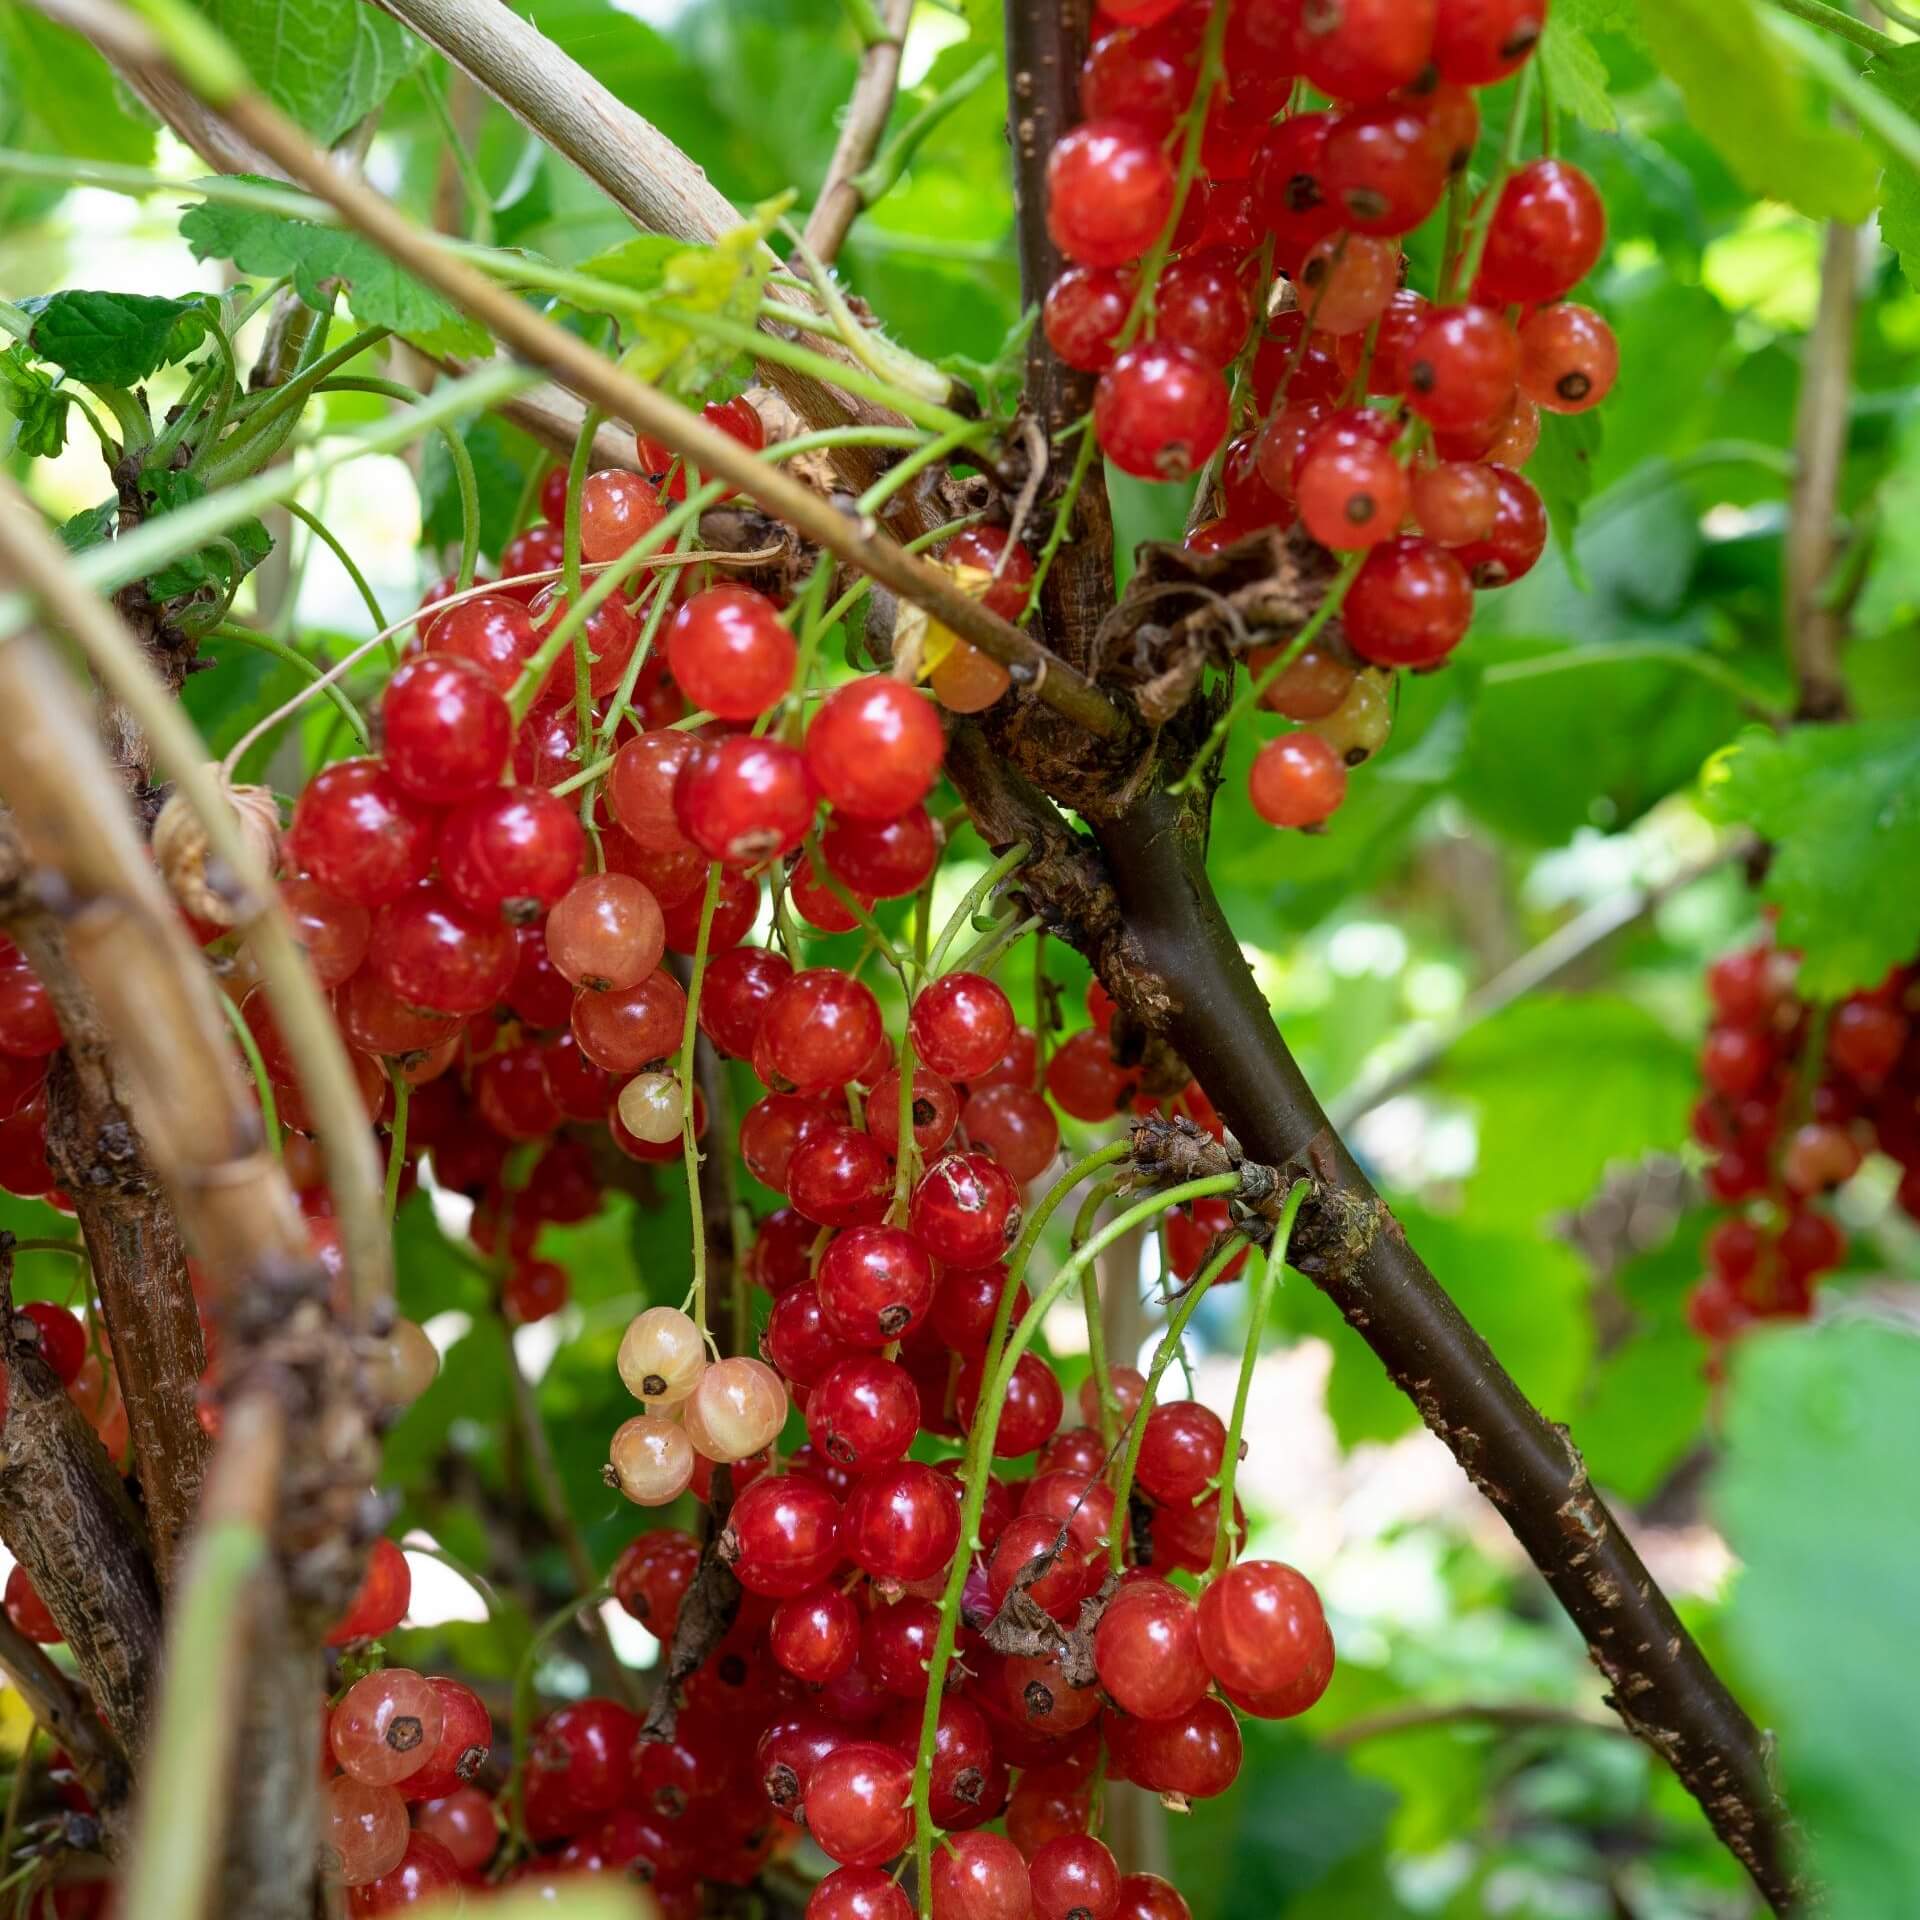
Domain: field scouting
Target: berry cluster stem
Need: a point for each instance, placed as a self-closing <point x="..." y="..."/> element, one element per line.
<point x="1467" y="267"/>
<point x="689" y="1039"/>
<point x="996" y="1377"/>
<point x="1184" y="1309"/>
<point x="1250" y="696"/>
<point x="1268" y="1265"/>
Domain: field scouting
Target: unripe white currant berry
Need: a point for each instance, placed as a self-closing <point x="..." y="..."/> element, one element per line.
<point x="1358" y="727"/>
<point x="404" y="1365"/>
<point x="652" y="1109"/>
<point x="662" y="1356"/>
<point x="739" y="1407"/>
<point x="651" y="1459"/>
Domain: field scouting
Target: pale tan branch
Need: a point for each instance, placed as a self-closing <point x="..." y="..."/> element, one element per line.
<point x="840" y="198"/>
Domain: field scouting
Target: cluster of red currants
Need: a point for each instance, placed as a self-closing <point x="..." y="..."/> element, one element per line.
<point x="1390" y="426"/>
<point x="1796" y="1097"/>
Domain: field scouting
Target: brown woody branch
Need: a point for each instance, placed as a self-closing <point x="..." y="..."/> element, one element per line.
<point x="67" y="1716"/>
<point x="133" y="1241"/>
<point x="840" y="201"/>
<point x="1816" y="622"/>
<point x="67" y="1519"/>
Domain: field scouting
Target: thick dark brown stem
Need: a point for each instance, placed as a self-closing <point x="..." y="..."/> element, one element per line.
<point x="1046" y="41"/>
<point x="1348" y="1242"/>
<point x="68" y="1521"/>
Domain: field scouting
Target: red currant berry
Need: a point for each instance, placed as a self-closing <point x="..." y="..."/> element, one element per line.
<point x="961" y="1024"/>
<point x="1030" y="1413"/>
<point x="640" y="789"/>
<point x="1352" y="489"/>
<point x="1194" y="1755"/>
<point x="1263" y="1634"/>
<point x="1545" y="235"/>
<point x="513" y="853"/>
<point x="840" y="1177"/>
<point x="936" y="1110"/>
<point x="964" y="1304"/>
<point x="1085" y="1080"/>
<point x="857" y="1804"/>
<point x="1085" y="310"/>
<point x="820" y="1029"/>
<point x="874" y="746"/>
<point x="902" y="1523"/>
<point x="431" y="952"/>
<point x="1048" y="1560"/>
<point x="492" y="632"/>
<point x="617" y="510"/>
<point x="386" y="1726"/>
<point x="782" y="1536"/>
<point x="445" y="730"/>
<point x="743" y="800"/>
<point x="1383" y="168"/>
<point x="864" y="1413"/>
<point x="1518" y="539"/>
<point x="1160" y="411"/>
<point x="386" y="1589"/>
<point x="359" y="835"/>
<point x="1462" y="366"/>
<point x="815" y="1635"/>
<point x="1180" y="1451"/>
<point x="1290" y="197"/>
<point x="858" y="1893"/>
<point x="426" y="1872"/>
<point x="966" y="1211"/>
<point x="1016" y="1126"/>
<point x="1145" y="1896"/>
<point x="1201" y="305"/>
<point x="730" y="653"/>
<point x="739" y="986"/>
<point x="1409" y="606"/>
<point x="1364" y="49"/>
<point x="1476" y="42"/>
<point x="1297" y="780"/>
<point x="881" y="859"/>
<point x="606" y="933"/>
<point x="1569" y="358"/>
<point x="980" y="1876"/>
<point x="1348" y="284"/>
<point x="1109" y="191"/>
<point x="876" y="1285"/>
<point x="1074" y="1878"/>
<point x="1455" y="502"/>
<point x="27" y="1612"/>
<point x="624" y="1031"/>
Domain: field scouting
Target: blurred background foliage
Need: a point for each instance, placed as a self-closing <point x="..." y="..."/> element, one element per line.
<point x="1555" y="768"/>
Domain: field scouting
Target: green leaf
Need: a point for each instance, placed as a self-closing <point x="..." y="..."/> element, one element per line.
<point x="1891" y="596"/>
<point x="38" y="407"/>
<point x="1841" y="806"/>
<point x="1561" y="1085"/>
<point x="1562" y="470"/>
<point x="1897" y="75"/>
<point x="724" y="279"/>
<point x="639" y="263"/>
<point x="1575" y="74"/>
<point x="211" y="565"/>
<point x="326" y="63"/>
<point x="117" y="339"/>
<point x="90" y="526"/>
<point x="70" y="92"/>
<point x="1752" y="104"/>
<point x="380" y="293"/>
<point x="1816" y="1496"/>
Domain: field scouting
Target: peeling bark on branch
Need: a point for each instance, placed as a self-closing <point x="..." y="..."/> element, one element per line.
<point x="66" y="1518"/>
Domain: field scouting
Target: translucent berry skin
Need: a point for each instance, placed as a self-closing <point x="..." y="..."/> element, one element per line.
<point x="1085" y="309"/>
<point x="729" y="652"/>
<point x="961" y="1024"/>
<point x="366" y="1831"/>
<point x="466" y="1741"/>
<point x="333" y="931"/>
<point x="27" y="1612"/>
<point x="1296" y="781"/>
<point x="980" y="1876"/>
<point x="901" y="1523"/>
<point x="996" y="573"/>
<point x="742" y="800"/>
<point x="616" y="510"/>
<point x="1160" y="411"/>
<point x="739" y="986"/>
<point x="1455" y="502"/>
<point x="425" y="1873"/>
<point x="606" y="932"/>
<point x="876" y="1284"/>
<point x="431" y="952"/>
<point x="511" y="1090"/>
<point x="1409" y="606"/>
<point x="936" y="1110"/>
<point x="856" y="1804"/>
<point x="820" y="1029"/>
<point x="63" y="1338"/>
<point x="513" y="852"/>
<point x="1569" y="358"/>
<point x="1016" y="1126"/>
<point x="1085" y="1079"/>
<point x="966" y="1210"/>
<point x="874" y="747"/>
<point x="1362" y="50"/>
<point x="1029" y="1414"/>
<point x="881" y="859"/>
<point x="1145" y="1896"/>
<point x="533" y="1290"/>
<point x="1547" y="231"/>
<point x="463" y="1823"/>
<point x="625" y="1031"/>
<point x="1290" y="198"/>
<point x="386" y="1727"/>
<point x="493" y="631"/>
<point x="1109" y="191"/>
<point x="964" y="1304"/>
<point x="385" y="1591"/>
<point x="1048" y="1558"/>
<point x="1476" y="42"/>
<point x="734" y="909"/>
<point x="1462" y="366"/>
<point x="1348" y="283"/>
<point x="445" y="729"/>
<point x="815" y="1635"/>
<point x="1262" y="1633"/>
<point x="968" y="680"/>
<point x="1074" y="1878"/>
<point x="640" y="788"/>
<point x="357" y="833"/>
<point x="1147" y="1649"/>
<point x="858" y="1893"/>
<point x="782" y="1536"/>
<point x="1195" y="1754"/>
<point x="864" y="1413"/>
<point x="1181" y="1450"/>
<point x="1519" y="537"/>
<point x="581" y="1756"/>
<point x="612" y="633"/>
<point x="1201" y="305"/>
<point x="1383" y="169"/>
<point x="1351" y="491"/>
<point x="839" y="1177"/>
<point x="652" y="1575"/>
